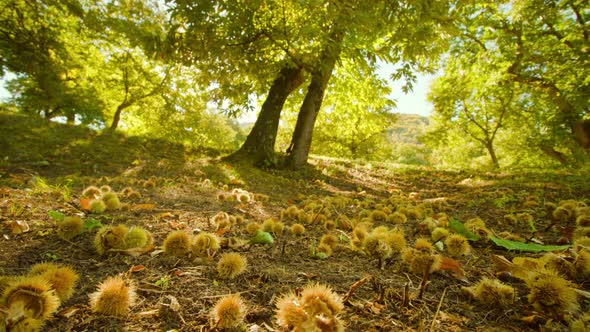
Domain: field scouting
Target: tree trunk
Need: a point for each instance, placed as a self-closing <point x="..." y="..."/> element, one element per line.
<point x="581" y="133"/>
<point x="302" y="135"/>
<point x="492" y="152"/>
<point x="551" y="152"/>
<point x="117" y="116"/>
<point x="259" y="145"/>
<point x="71" y="119"/>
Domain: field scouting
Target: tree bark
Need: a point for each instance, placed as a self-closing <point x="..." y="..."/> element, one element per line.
<point x="71" y="118"/>
<point x="259" y="145"/>
<point x="581" y="133"/>
<point x="492" y="152"/>
<point x="551" y="152"/>
<point x="302" y="135"/>
<point x="117" y="116"/>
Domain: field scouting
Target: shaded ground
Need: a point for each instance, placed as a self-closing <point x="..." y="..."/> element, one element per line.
<point x="45" y="168"/>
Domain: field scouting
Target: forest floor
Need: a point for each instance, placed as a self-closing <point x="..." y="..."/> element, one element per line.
<point x="45" y="167"/>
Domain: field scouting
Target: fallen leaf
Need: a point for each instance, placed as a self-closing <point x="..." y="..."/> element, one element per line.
<point x="18" y="226"/>
<point x="529" y="247"/>
<point x="136" y="268"/>
<point x="308" y="275"/>
<point x="165" y="215"/>
<point x="56" y="215"/>
<point x="69" y="311"/>
<point x="90" y="224"/>
<point x="521" y="268"/>
<point x="454" y="267"/>
<point x="236" y="243"/>
<point x="374" y="307"/>
<point x="457" y="227"/>
<point x="156" y="252"/>
<point x="501" y="263"/>
<point x="582" y="293"/>
<point x="138" y="207"/>
<point x="176" y="225"/>
<point x="85" y="204"/>
<point x="149" y="313"/>
<point x="533" y="320"/>
<point x="173" y="303"/>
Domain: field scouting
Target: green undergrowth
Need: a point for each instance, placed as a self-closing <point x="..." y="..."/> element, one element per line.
<point x="55" y="149"/>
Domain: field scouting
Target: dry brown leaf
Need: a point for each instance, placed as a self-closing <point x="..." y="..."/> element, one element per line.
<point x="582" y="293"/>
<point x="176" y="225"/>
<point x="374" y="307"/>
<point x="134" y="252"/>
<point x="149" y="313"/>
<point x="136" y="268"/>
<point x="354" y="286"/>
<point x="520" y="269"/>
<point x="454" y="267"/>
<point x="501" y="263"/>
<point x="138" y="207"/>
<point x="18" y="226"/>
<point x="533" y="320"/>
<point x="69" y="311"/>
<point x="166" y="215"/>
<point x="172" y="303"/>
<point x="451" y="318"/>
<point x="85" y="204"/>
<point x="308" y="275"/>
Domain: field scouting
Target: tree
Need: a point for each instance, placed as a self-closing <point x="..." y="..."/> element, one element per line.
<point x="238" y="51"/>
<point x="41" y="42"/>
<point x="399" y="33"/>
<point x="354" y="125"/>
<point x="470" y="98"/>
<point x="140" y="80"/>
<point x="543" y="47"/>
<point x="250" y="43"/>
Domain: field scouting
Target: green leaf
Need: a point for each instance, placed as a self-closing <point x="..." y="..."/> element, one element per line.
<point x="320" y="255"/>
<point x="439" y="246"/>
<point x="56" y="215"/>
<point x="529" y="247"/>
<point x="457" y="227"/>
<point x="262" y="237"/>
<point x="51" y="256"/>
<point x="90" y="224"/>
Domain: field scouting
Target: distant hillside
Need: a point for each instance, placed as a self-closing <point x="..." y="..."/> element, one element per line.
<point x="407" y="128"/>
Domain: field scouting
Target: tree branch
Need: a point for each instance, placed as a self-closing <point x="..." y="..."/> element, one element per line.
<point x="579" y="19"/>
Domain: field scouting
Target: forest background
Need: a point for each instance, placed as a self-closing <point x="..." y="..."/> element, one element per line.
<point x="509" y="81"/>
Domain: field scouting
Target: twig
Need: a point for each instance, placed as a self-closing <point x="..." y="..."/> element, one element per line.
<point x="147" y="290"/>
<point x="222" y="295"/>
<point x="313" y="220"/>
<point x="406" y="296"/>
<point x="550" y="226"/>
<point x="283" y="247"/>
<point x="343" y="233"/>
<point x="354" y="287"/>
<point x="438" y="309"/>
<point x="423" y="283"/>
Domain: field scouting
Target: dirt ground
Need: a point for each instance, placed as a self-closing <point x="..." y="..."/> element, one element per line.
<point x="186" y="197"/>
